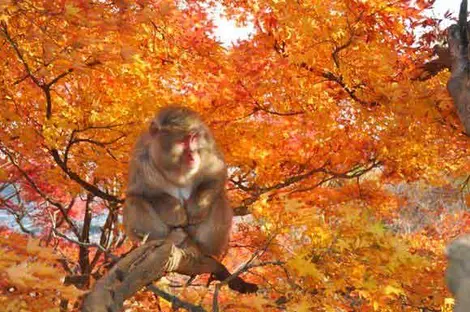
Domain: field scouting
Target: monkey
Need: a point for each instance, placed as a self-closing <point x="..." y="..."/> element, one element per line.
<point x="177" y="178"/>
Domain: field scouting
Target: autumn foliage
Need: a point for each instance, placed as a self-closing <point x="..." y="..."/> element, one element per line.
<point x="348" y="174"/>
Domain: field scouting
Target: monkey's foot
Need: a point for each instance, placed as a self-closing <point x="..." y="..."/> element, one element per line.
<point x="238" y="284"/>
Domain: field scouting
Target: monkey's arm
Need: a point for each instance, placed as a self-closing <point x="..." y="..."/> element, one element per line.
<point x="202" y="200"/>
<point x="164" y="206"/>
<point x="169" y="209"/>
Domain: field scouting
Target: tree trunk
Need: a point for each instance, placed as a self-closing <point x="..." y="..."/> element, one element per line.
<point x="459" y="82"/>
<point x="458" y="272"/>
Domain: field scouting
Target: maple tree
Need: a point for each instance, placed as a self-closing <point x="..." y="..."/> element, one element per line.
<point x="321" y="118"/>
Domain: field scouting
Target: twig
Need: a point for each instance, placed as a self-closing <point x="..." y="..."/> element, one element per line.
<point x="61" y="208"/>
<point x="175" y="301"/>
<point x="245" y="267"/>
<point x="79" y="243"/>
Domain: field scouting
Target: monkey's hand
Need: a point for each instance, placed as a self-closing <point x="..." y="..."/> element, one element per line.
<point x="203" y="199"/>
<point x="171" y="210"/>
<point x="199" y="206"/>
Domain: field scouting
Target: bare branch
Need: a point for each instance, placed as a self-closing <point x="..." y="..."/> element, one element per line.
<point x="176" y="302"/>
<point x="245" y="267"/>
<point x="79" y="243"/>
<point x="261" y="107"/>
<point x="56" y="204"/>
<point x="86" y="185"/>
<point x="13" y="44"/>
<point x="330" y="76"/>
<point x="256" y="191"/>
<point x="53" y="81"/>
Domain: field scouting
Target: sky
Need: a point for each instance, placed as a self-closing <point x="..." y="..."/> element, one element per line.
<point x="228" y="33"/>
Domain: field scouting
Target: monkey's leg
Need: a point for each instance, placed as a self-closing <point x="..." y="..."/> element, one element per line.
<point x="456" y="84"/>
<point x="153" y="219"/>
<point x="169" y="209"/>
<point x="212" y="235"/>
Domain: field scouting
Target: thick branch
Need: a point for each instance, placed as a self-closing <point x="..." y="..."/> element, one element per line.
<point x="149" y="262"/>
<point x="463" y="12"/>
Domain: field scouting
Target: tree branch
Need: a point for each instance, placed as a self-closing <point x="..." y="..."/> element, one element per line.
<point x="256" y="191"/>
<point x="147" y="263"/>
<point x="87" y="186"/>
<point x="59" y="206"/>
<point x="245" y="267"/>
<point x="13" y="44"/>
<point x="330" y="76"/>
<point x="176" y="302"/>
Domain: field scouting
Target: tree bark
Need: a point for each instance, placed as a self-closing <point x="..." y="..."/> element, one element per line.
<point x="459" y="82"/>
<point x="150" y="262"/>
<point x="458" y="272"/>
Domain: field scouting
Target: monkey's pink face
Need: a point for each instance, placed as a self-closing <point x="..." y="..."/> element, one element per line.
<point x="186" y="152"/>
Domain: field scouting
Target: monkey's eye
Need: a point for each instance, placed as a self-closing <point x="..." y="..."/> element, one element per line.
<point x="178" y="147"/>
<point x="193" y="136"/>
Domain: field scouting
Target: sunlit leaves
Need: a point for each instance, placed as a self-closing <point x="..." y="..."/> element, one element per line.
<point x="31" y="276"/>
<point x="318" y="115"/>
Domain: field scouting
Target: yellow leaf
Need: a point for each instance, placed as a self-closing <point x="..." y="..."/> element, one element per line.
<point x="256" y="303"/>
<point x="20" y="275"/>
<point x="305" y="267"/>
<point x="303" y="306"/>
<point x="392" y="290"/>
<point x="33" y="248"/>
<point x="71" y="10"/>
<point x="41" y="270"/>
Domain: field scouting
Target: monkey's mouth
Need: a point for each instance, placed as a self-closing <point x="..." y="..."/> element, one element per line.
<point x="192" y="163"/>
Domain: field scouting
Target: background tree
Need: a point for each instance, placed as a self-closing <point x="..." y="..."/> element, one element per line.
<point x="330" y="137"/>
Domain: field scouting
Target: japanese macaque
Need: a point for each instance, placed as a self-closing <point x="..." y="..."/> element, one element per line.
<point x="176" y="181"/>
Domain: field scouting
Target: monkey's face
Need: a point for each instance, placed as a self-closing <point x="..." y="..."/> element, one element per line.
<point x="181" y="152"/>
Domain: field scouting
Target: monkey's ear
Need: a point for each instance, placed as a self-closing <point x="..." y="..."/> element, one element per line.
<point x="154" y="128"/>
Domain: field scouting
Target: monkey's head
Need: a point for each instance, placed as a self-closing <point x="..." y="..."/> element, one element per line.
<point x="179" y="141"/>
